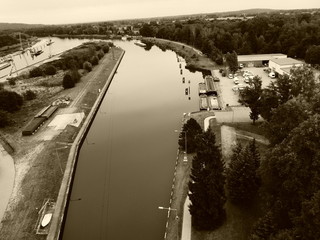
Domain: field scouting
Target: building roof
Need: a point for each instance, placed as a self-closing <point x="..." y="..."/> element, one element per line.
<point x="286" y="61"/>
<point x="260" y="57"/>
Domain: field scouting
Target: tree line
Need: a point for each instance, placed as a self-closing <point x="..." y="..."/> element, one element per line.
<point x="296" y="35"/>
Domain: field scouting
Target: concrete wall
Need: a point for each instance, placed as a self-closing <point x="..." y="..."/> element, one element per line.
<point x="61" y="202"/>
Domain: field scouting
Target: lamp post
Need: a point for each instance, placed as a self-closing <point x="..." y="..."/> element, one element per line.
<point x="185" y="158"/>
<point x="169" y="209"/>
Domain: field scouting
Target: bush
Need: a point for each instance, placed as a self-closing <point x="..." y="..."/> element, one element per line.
<point x="100" y="54"/>
<point x="219" y="60"/>
<point x="4" y="119"/>
<point x="12" y="81"/>
<point x="68" y="81"/>
<point x="50" y="70"/>
<point x="105" y="48"/>
<point x="36" y="72"/>
<point x="94" y="60"/>
<point x="29" y="95"/>
<point x="87" y="66"/>
<point x="10" y="101"/>
<point x="98" y="47"/>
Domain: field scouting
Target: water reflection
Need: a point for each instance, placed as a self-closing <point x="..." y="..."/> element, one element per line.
<point x="127" y="173"/>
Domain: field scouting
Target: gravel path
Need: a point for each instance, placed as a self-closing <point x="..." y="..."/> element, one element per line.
<point x="228" y="141"/>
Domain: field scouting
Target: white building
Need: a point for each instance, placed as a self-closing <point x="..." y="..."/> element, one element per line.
<point x="283" y="65"/>
<point x="258" y="60"/>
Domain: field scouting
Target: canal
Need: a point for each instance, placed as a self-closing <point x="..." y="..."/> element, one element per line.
<point x="125" y="167"/>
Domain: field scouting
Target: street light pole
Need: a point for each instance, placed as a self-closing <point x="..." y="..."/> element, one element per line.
<point x="169" y="209"/>
<point x="185" y="158"/>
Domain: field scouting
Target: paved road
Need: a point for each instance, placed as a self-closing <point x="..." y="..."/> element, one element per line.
<point x="186" y="224"/>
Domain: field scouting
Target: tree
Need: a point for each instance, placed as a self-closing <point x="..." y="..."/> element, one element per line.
<point x="87" y="66"/>
<point x="310" y="218"/>
<point x="242" y="178"/>
<point x="232" y="61"/>
<point x="100" y="54"/>
<point x="75" y="75"/>
<point x="291" y="173"/>
<point x="36" y="72"/>
<point x="263" y="228"/>
<point x="4" y="119"/>
<point x="267" y="103"/>
<point x="303" y="82"/>
<point x="94" y="60"/>
<point x="50" y="70"/>
<point x="251" y="96"/>
<point x="68" y="81"/>
<point x="29" y="95"/>
<point x="285" y="118"/>
<point x="192" y="130"/>
<point x="147" y="31"/>
<point x="313" y="55"/>
<point x="207" y="184"/>
<point x="105" y="48"/>
<point x="10" y="101"/>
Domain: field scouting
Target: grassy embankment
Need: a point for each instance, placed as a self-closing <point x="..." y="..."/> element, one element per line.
<point x="38" y="162"/>
<point x="194" y="60"/>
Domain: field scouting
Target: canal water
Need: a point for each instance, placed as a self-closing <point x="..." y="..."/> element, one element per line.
<point x="125" y="168"/>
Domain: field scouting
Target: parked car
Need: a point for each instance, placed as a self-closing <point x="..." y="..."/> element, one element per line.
<point x="230" y="76"/>
<point x="241" y="65"/>
<point x="272" y="75"/>
<point x="236" y="80"/>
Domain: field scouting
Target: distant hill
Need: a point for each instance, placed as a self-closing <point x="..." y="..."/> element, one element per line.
<point x="17" y="26"/>
<point x="253" y="11"/>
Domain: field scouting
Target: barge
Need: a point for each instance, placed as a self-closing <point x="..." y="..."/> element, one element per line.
<point x="202" y="88"/>
<point x="203" y="104"/>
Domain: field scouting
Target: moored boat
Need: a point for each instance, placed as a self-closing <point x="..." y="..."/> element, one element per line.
<point x="140" y="44"/>
<point x="5" y="65"/>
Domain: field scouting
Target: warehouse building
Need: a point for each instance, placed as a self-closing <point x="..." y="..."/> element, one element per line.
<point x="282" y="66"/>
<point x="259" y="60"/>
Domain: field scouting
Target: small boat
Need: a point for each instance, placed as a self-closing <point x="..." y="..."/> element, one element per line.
<point x="5" y="65"/>
<point x="46" y="219"/>
<point x="36" y="53"/>
<point x="50" y="42"/>
<point x="140" y="44"/>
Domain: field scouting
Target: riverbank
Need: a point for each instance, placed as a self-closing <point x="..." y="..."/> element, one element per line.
<point x="41" y="159"/>
<point x="194" y="58"/>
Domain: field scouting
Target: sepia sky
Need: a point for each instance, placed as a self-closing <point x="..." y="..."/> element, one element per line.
<point x="78" y="11"/>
